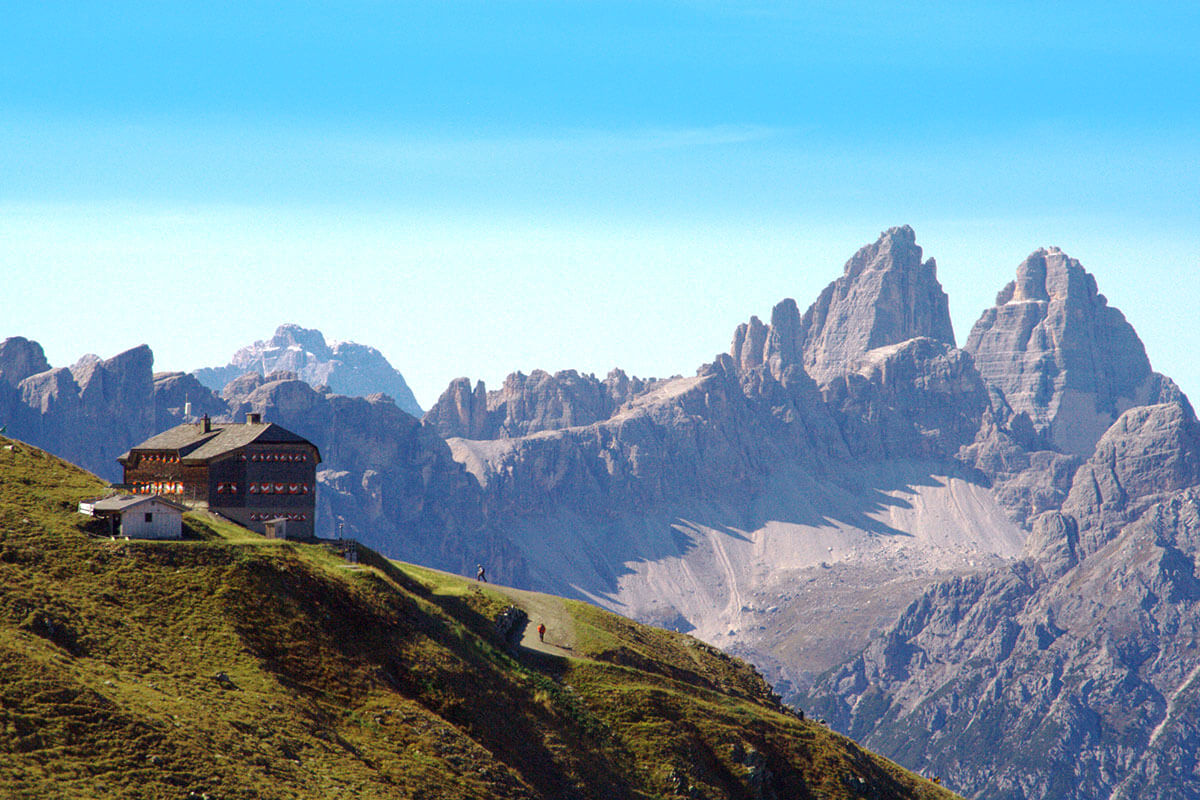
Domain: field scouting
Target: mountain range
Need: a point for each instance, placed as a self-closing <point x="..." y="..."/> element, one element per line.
<point x="980" y="560"/>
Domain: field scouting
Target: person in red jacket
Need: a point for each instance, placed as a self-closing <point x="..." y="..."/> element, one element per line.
<point x="541" y="631"/>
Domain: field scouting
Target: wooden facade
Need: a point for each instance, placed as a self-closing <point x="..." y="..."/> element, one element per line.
<point x="250" y="472"/>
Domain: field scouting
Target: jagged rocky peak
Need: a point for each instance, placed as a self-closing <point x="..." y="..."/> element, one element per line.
<point x="527" y="404"/>
<point x="461" y="411"/>
<point x="776" y="346"/>
<point x="90" y="412"/>
<point x="295" y="337"/>
<point x="345" y="367"/>
<point x="1058" y="352"/>
<point x="885" y="296"/>
<point x="113" y="379"/>
<point x="20" y="358"/>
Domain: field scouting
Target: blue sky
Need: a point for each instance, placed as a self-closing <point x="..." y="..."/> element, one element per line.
<point x="476" y="188"/>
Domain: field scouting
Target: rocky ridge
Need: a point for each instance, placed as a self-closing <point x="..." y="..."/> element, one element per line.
<point x="86" y="412"/>
<point x="751" y="473"/>
<point x="345" y="367"/>
<point x="528" y="404"/>
<point x="1071" y="674"/>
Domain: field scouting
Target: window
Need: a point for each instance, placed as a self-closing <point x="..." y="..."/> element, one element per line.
<point x="149" y="517"/>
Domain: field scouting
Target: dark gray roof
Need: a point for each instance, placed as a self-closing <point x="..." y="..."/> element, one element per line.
<point x="122" y="502"/>
<point x="192" y="444"/>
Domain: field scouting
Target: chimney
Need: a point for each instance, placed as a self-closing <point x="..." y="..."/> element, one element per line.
<point x="205" y="424"/>
<point x="253" y="418"/>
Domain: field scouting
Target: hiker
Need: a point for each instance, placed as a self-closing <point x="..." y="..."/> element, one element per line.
<point x="479" y="573"/>
<point x="541" y="631"/>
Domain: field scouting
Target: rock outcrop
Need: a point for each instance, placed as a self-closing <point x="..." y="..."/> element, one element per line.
<point x="1071" y="674"/>
<point x="886" y="295"/>
<point x="528" y="404"/>
<point x="921" y="398"/>
<point x="1061" y="355"/>
<point x="89" y="413"/>
<point x="20" y="358"/>
<point x="175" y="392"/>
<point x="345" y="367"/>
<point x="1149" y="453"/>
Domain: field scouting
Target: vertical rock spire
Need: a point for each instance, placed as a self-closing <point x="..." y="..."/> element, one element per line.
<point x="885" y="296"/>
<point x="1062" y="355"/>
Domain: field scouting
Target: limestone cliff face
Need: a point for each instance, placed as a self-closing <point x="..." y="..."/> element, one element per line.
<point x="1150" y="452"/>
<point x="1061" y="355"/>
<point x="528" y="404"/>
<point x="89" y="413"/>
<point x="345" y="367"/>
<point x="885" y="296"/>
<point x="173" y="391"/>
<point x="1072" y="674"/>
<point x="921" y="398"/>
<point x="713" y="437"/>
<point x="20" y="358"/>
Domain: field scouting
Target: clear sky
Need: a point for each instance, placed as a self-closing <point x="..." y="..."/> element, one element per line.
<point x="476" y="188"/>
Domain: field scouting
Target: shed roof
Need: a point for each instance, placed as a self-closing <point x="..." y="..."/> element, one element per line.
<point x="192" y="443"/>
<point x="124" y="502"/>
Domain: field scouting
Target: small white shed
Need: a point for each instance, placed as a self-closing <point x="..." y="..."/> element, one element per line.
<point x="138" y="516"/>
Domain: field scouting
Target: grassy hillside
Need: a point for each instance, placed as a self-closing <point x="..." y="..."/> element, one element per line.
<point x="231" y="666"/>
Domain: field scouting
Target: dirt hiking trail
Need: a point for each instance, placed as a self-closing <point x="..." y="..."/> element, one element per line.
<point x="544" y="610"/>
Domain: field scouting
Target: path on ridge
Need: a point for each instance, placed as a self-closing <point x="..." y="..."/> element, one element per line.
<point x="544" y="609"/>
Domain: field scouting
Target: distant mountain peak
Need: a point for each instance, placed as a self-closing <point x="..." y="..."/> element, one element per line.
<point x="291" y="335"/>
<point x="886" y="295"/>
<point x="345" y="367"/>
<point x="20" y="358"/>
<point x="1059" y="353"/>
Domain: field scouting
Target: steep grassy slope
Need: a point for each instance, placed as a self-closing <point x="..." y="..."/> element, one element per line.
<point x="230" y="666"/>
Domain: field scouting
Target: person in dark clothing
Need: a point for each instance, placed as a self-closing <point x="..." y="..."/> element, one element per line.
<point x="479" y="573"/>
<point x="541" y="631"/>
